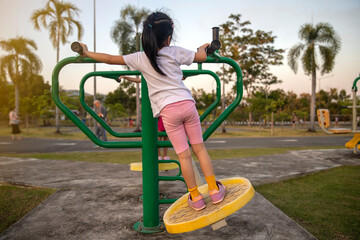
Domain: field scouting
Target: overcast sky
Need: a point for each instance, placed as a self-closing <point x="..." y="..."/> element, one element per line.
<point x="194" y="20"/>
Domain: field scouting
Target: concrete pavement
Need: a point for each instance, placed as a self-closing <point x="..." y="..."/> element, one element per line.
<point x="101" y="201"/>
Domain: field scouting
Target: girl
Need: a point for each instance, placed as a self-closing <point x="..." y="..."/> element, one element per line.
<point x="170" y="99"/>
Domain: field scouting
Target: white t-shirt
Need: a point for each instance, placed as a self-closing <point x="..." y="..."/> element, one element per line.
<point x="163" y="90"/>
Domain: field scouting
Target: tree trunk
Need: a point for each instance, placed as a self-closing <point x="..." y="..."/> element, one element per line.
<point x="223" y="131"/>
<point x="250" y="119"/>
<point x="27" y="123"/>
<point x="312" y="102"/>
<point x="17" y="99"/>
<point x="57" y="114"/>
<point x="272" y="123"/>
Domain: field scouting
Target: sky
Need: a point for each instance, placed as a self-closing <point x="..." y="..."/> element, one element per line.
<point x="193" y="23"/>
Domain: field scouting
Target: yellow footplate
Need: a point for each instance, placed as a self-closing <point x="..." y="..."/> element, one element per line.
<point x="162" y="166"/>
<point x="179" y="217"/>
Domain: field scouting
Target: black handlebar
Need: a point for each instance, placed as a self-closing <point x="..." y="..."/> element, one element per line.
<point x="215" y="44"/>
<point x="76" y="47"/>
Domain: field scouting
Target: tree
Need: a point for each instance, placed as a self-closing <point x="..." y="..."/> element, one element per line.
<point x="31" y="90"/>
<point x="126" y="35"/>
<point x="319" y="40"/>
<point x="252" y="50"/>
<point x="58" y="17"/>
<point x="20" y="63"/>
<point x="233" y="28"/>
<point x="125" y="95"/>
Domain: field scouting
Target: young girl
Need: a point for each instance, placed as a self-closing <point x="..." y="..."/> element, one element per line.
<point x="170" y="99"/>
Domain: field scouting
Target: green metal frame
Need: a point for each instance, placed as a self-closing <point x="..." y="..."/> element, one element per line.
<point x="116" y="74"/>
<point x="149" y="142"/>
<point x="354" y="87"/>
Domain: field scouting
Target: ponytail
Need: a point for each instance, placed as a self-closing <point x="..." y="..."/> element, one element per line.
<point x="156" y="30"/>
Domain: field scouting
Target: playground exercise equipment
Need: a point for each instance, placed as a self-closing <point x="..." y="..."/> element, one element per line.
<point x="76" y="47"/>
<point x="180" y="218"/>
<point x="354" y="142"/>
<point x="149" y="136"/>
<point x="324" y="122"/>
<point x="215" y="44"/>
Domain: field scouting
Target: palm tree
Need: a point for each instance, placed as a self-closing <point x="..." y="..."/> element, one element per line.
<point x="124" y="32"/>
<point x="320" y="40"/>
<point x="20" y="63"/>
<point x="58" y="17"/>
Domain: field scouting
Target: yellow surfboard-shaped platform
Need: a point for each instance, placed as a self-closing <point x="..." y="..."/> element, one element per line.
<point x="181" y="218"/>
<point x="162" y="166"/>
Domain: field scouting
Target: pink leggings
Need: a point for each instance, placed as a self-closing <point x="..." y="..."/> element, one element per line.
<point x="181" y="119"/>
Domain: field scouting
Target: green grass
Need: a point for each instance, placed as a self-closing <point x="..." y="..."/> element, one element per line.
<point x="127" y="157"/>
<point x="17" y="201"/>
<point x="67" y="133"/>
<point x="327" y="204"/>
<point x="45" y="133"/>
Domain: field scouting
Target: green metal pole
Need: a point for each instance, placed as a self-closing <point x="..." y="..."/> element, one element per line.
<point x="150" y="168"/>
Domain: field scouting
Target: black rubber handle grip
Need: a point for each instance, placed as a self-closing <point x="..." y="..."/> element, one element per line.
<point x="76" y="47"/>
<point x="215" y="44"/>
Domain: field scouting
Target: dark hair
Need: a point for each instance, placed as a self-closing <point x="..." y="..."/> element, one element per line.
<point x="157" y="28"/>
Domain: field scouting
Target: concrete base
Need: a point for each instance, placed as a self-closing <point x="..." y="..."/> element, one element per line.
<point x="101" y="201"/>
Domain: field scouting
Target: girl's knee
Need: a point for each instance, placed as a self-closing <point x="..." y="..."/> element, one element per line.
<point x="185" y="154"/>
<point x="197" y="148"/>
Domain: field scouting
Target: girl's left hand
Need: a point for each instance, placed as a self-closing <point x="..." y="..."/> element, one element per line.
<point x="85" y="49"/>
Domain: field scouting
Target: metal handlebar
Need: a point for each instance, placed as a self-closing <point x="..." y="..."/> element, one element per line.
<point x="76" y="47"/>
<point x="215" y="44"/>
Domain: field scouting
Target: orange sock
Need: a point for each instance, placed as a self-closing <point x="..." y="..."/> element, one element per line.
<point x="211" y="183"/>
<point x="194" y="192"/>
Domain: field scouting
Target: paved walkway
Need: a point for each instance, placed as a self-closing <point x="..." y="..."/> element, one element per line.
<point x="101" y="201"/>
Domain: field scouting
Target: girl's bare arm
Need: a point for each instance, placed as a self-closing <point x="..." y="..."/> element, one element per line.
<point x="103" y="57"/>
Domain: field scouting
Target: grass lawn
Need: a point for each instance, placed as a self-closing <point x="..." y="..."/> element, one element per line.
<point x="327" y="203"/>
<point x="233" y="131"/>
<point x="17" y="201"/>
<point x="127" y="157"/>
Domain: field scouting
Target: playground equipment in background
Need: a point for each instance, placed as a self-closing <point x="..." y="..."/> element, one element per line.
<point x="149" y="143"/>
<point x="324" y="122"/>
<point x="354" y="142"/>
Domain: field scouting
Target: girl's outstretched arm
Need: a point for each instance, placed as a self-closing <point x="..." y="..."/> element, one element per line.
<point x="103" y="57"/>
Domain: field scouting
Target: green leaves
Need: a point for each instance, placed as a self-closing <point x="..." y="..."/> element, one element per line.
<point x="321" y="40"/>
<point x="125" y="32"/>
<point x="58" y="17"/>
<point x="253" y="49"/>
